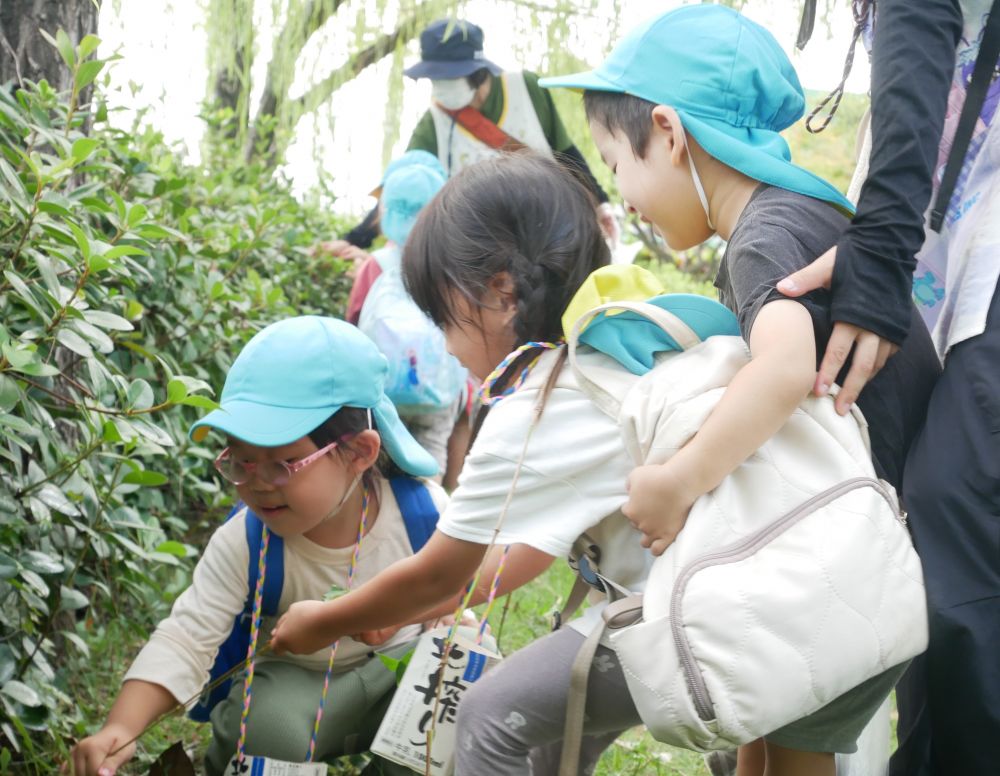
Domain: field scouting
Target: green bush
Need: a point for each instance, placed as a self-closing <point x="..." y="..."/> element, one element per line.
<point x="128" y="282"/>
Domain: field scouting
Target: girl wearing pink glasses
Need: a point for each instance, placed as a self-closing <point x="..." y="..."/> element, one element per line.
<point x="321" y="464"/>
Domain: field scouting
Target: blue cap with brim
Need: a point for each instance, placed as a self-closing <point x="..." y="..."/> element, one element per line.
<point x="450" y="48"/>
<point x="405" y="193"/>
<point x="729" y="81"/>
<point x="414" y="158"/>
<point x="295" y="374"/>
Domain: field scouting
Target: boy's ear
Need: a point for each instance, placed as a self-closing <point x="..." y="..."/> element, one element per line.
<point x="668" y="128"/>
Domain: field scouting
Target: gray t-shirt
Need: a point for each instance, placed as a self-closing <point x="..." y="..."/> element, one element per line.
<point x="780" y="232"/>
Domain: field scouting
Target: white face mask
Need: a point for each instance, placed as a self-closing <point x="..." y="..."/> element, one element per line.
<point x="452" y="93"/>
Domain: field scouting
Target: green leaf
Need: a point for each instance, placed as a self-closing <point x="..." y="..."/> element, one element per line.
<point x="140" y="395"/>
<point x="79" y="643"/>
<point x="8" y="663"/>
<point x="81" y="240"/>
<point x="20" y="425"/>
<point x="202" y="402"/>
<point x="42" y="562"/>
<point x="153" y="433"/>
<point x="145" y="477"/>
<point x="83" y="147"/>
<point x="176" y="549"/>
<point x="53" y="208"/>
<point x="125" y="250"/>
<point x="176" y="390"/>
<point x="63" y="45"/>
<point x="110" y="432"/>
<point x="74" y="342"/>
<point x="10" y="394"/>
<point x="93" y="335"/>
<point x="55" y="498"/>
<point x="70" y="600"/>
<point x="107" y="320"/>
<point x="36" y="582"/>
<point x="335" y="592"/>
<point x="88" y="72"/>
<point x="21" y="693"/>
<point x="136" y="213"/>
<point x="88" y="46"/>
<point x="8" y="567"/>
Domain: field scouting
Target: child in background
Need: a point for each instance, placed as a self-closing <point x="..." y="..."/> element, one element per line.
<point x="310" y="439"/>
<point x="369" y="270"/>
<point x="686" y="112"/>
<point x="427" y="385"/>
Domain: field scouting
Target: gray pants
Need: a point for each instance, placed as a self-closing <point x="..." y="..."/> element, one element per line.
<point x="511" y="720"/>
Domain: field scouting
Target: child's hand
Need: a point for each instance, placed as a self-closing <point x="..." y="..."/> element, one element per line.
<point x="91" y="756"/>
<point x="303" y="630"/>
<point x="658" y="505"/>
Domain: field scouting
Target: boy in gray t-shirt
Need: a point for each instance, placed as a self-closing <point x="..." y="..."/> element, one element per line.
<point x="779" y="232"/>
<point x="687" y="112"/>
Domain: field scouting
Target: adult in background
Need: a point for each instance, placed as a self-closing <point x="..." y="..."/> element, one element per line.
<point x="935" y="141"/>
<point x="478" y="110"/>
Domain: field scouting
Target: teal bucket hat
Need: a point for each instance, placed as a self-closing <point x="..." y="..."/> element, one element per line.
<point x="729" y="81"/>
<point x="294" y="374"/>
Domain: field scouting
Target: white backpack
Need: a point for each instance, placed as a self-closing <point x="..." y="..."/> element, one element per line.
<point x="791" y="583"/>
<point x="423" y="377"/>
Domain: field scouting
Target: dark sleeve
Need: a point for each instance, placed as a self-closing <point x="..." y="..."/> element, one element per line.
<point x="573" y="160"/>
<point x="365" y="233"/>
<point x="913" y="61"/>
<point x="424" y="137"/>
<point x="755" y="262"/>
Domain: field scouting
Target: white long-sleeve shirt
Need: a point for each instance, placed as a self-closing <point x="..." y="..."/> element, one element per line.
<point x="182" y="649"/>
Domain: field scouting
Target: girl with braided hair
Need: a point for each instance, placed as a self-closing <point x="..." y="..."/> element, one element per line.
<point x="494" y="260"/>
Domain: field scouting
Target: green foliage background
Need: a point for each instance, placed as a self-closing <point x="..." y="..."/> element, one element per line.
<point x="128" y="282"/>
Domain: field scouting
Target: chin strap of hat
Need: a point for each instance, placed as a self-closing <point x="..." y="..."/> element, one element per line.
<point x="862" y="10"/>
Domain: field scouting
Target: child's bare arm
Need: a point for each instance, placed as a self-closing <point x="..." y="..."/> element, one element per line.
<point x="405" y="592"/>
<point x="523" y="564"/>
<point x="758" y="401"/>
<point x="137" y="705"/>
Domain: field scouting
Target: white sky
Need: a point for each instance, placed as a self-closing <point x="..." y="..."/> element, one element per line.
<point x="163" y="70"/>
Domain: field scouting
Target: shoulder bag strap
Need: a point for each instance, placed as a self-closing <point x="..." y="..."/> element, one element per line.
<point x="483" y="129"/>
<point x="982" y="76"/>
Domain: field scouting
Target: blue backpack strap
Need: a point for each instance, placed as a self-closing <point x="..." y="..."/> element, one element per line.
<point x="234" y="649"/>
<point x="274" y="579"/>
<point x="420" y="515"/>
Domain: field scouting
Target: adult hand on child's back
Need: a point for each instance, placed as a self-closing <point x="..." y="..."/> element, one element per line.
<point x="92" y="756"/>
<point x="870" y="350"/>
<point x="658" y="505"/>
<point x="301" y="629"/>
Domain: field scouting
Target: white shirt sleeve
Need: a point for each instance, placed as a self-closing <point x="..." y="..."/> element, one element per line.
<point x="180" y="653"/>
<point x="573" y="475"/>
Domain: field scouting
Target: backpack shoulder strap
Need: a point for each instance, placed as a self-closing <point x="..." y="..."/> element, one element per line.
<point x="420" y="515"/>
<point x="274" y="579"/>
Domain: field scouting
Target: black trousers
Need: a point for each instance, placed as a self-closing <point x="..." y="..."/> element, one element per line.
<point x="949" y="700"/>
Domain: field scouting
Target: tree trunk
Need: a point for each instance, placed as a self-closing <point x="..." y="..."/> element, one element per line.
<point x="25" y="54"/>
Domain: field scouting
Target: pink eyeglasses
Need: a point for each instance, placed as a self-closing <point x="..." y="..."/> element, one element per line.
<point x="272" y="472"/>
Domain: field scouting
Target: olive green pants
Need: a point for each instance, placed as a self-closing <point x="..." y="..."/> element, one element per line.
<point x="283" y="709"/>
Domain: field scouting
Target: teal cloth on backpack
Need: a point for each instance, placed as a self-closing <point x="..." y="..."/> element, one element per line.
<point x="634" y="341"/>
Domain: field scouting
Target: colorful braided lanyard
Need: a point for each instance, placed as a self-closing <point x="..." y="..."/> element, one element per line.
<point x="255" y="632"/>
<point x="486" y="396"/>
